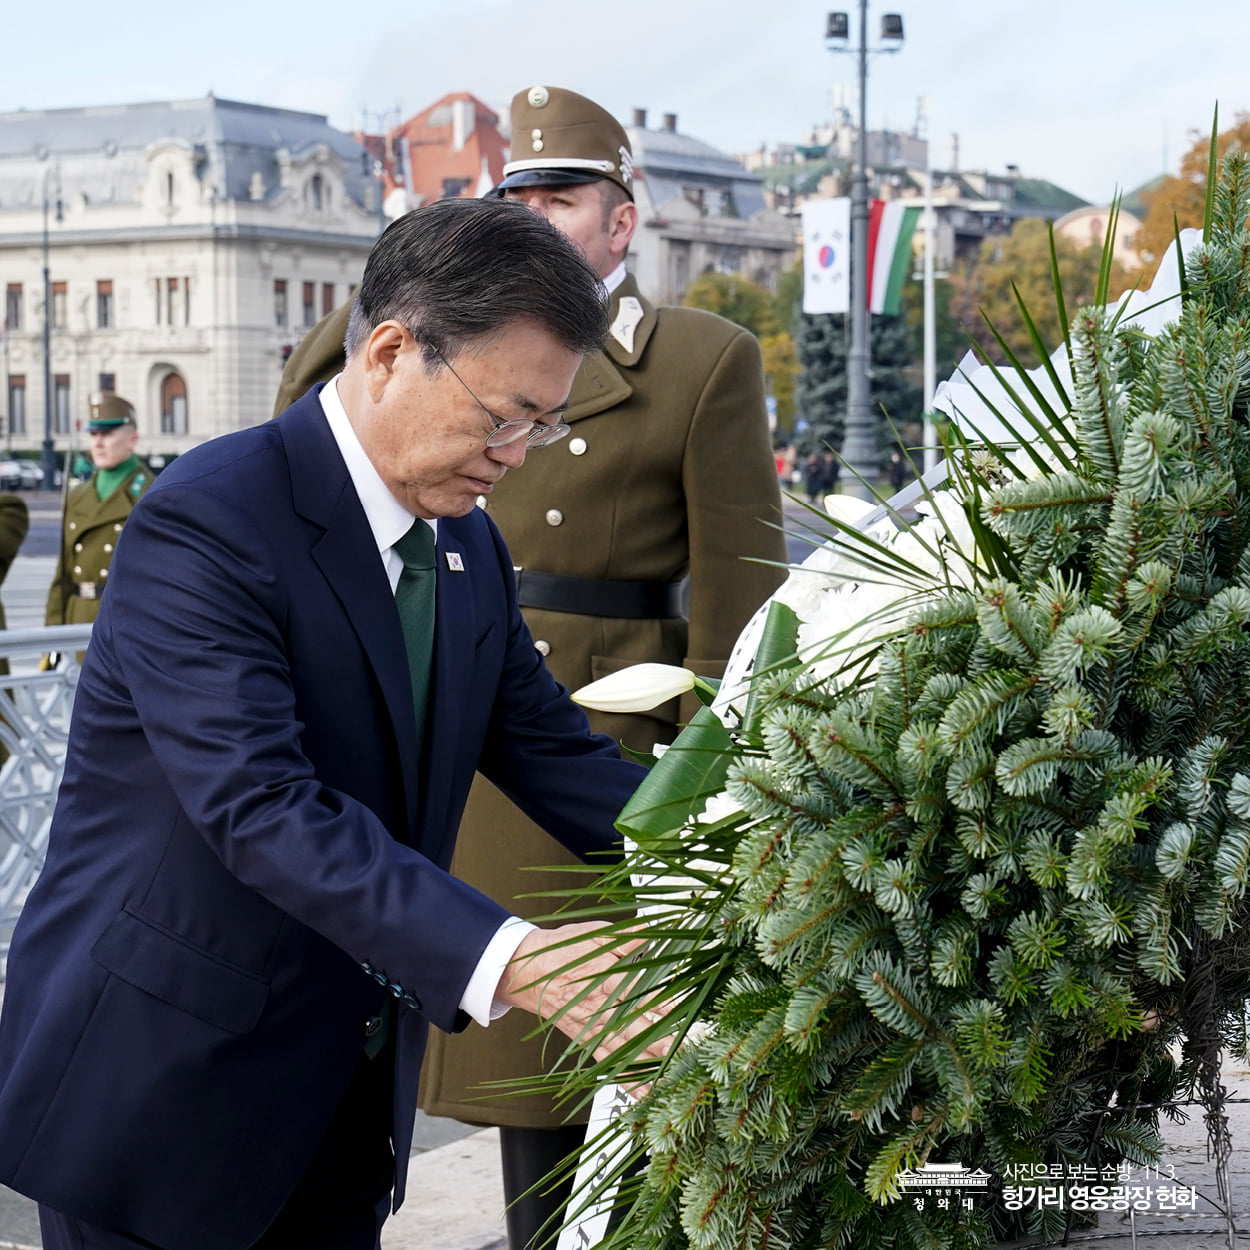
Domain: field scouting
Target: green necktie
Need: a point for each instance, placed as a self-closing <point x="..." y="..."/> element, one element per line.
<point x="414" y="598"/>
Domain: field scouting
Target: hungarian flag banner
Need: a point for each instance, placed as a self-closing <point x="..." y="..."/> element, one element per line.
<point x="891" y="224"/>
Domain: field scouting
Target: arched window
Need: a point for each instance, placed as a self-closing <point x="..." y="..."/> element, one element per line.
<point x="169" y="190"/>
<point x="173" y="404"/>
<point x="316" y="193"/>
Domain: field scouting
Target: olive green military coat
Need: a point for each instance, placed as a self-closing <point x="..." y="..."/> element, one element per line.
<point x="14" y="525"/>
<point x="89" y="532"/>
<point x="667" y="472"/>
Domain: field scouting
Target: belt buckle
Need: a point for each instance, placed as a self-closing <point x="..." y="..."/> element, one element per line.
<point x="86" y="590"/>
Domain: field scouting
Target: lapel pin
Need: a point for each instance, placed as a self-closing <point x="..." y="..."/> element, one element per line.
<point x="454" y="562"/>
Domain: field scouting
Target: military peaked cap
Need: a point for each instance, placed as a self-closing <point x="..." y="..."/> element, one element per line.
<point x="108" y="411"/>
<point x="560" y="138"/>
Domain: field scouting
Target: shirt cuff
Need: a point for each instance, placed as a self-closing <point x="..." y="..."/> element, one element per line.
<point x="479" y="999"/>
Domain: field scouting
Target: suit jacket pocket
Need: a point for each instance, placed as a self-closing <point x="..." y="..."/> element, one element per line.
<point x="151" y="958"/>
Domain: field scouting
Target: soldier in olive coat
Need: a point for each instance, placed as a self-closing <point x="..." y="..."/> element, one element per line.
<point x="95" y="512"/>
<point x="667" y="474"/>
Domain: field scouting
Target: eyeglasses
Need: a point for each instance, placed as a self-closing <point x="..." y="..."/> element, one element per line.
<point x="535" y="433"/>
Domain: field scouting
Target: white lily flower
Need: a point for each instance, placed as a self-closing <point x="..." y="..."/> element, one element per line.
<point x="638" y="688"/>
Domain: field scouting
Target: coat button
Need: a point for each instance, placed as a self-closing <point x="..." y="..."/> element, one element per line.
<point x="78" y="546"/>
<point x="117" y="528"/>
<point x="577" y="446"/>
<point x="372" y="1025"/>
<point x="108" y="546"/>
<point x="77" y="568"/>
<point x="542" y="647"/>
<point x="555" y="516"/>
<point x="73" y="525"/>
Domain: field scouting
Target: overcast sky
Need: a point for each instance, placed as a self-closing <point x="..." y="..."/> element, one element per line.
<point x="1091" y="94"/>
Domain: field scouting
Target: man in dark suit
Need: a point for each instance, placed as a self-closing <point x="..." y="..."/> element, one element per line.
<point x="667" y="475"/>
<point x="220" y="987"/>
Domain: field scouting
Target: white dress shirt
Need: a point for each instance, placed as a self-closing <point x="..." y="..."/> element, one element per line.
<point x="390" y="521"/>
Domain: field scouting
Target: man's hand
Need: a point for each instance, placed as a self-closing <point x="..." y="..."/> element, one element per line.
<point x="539" y="979"/>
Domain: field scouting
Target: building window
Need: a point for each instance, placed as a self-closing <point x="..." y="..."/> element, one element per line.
<point x="60" y="305"/>
<point x="13" y="306"/>
<point x="279" y="302"/>
<point x="315" y="193"/>
<point x="104" y="305"/>
<point x="327" y="298"/>
<point x="17" y="403"/>
<point x="310" y="303"/>
<point x="108" y="383"/>
<point x="60" y="404"/>
<point x="173" y="404"/>
<point x="173" y="301"/>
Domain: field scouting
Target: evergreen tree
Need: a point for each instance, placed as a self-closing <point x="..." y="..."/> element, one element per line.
<point x="821" y="390"/>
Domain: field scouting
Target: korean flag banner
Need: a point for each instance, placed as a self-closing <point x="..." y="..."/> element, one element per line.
<point x="827" y="256"/>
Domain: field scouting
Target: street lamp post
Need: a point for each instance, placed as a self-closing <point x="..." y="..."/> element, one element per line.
<point x="49" y="456"/>
<point x="859" y="440"/>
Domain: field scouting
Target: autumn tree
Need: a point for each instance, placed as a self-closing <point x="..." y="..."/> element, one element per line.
<point x="765" y="315"/>
<point x="1024" y="258"/>
<point x="1182" y="197"/>
<point x="735" y="298"/>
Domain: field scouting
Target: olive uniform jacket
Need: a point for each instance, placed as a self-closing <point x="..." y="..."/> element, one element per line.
<point x="14" y="524"/>
<point x="667" y="473"/>
<point x="89" y="533"/>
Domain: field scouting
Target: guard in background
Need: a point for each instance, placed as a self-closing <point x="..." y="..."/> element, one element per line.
<point x="667" y="474"/>
<point x="96" y="510"/>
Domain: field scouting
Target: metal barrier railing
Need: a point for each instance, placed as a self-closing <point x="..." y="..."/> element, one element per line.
<point x="34" y="730"/>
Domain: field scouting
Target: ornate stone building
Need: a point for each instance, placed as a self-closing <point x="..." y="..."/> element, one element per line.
<point x="188" y="244"/>
<point x="700" y="212"/>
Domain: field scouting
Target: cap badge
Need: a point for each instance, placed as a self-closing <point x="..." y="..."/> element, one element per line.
<point x="627" y="164"/>
<point x="538" y="97"/>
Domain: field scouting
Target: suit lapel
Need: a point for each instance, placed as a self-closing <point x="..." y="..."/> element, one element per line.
<point x="323" y="494"/>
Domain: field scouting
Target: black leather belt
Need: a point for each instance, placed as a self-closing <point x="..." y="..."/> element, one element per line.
<point x="88" y="590"/>
<point x="589" y="596"/>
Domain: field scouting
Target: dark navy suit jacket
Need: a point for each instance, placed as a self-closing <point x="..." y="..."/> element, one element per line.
<point x="244" y="822"/>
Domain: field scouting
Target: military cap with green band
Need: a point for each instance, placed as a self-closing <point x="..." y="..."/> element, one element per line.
<point x="560" y="138"/>
<point x="108" y="411"/>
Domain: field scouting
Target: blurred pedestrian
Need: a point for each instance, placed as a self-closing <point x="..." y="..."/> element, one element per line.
<point x="814" y="477"/>
<point x="832" y="469"/>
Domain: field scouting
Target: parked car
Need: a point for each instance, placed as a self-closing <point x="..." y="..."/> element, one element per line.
<point x="10" y="475"/>
<point x="32" y="474"/>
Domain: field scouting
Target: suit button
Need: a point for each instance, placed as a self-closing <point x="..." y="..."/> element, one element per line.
<point x="78" y="546"/>
<point x="542" y="647"/>
<point x="555" y="516"/>
<point x="577" y="446"/>
<point x="372" y="1025"/>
